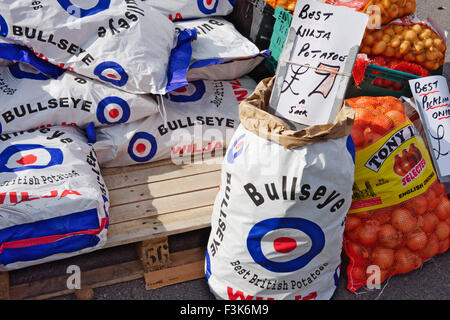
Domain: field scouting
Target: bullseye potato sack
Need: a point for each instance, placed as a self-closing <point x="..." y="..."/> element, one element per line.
<point x="278" y="219"/>
<point x="190" y="9"/>
<point x="199" y="120"/>
<point x="31" y="100"/>
<point x="399" y="217"/>
<point x="109" y="41"/>
<point x="410" y="39"/>
<point x="53" y="201"/>
<point x="387" y="10"/>
<point x="220" y="52"/>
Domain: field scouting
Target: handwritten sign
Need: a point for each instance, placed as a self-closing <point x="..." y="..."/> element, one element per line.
<point x="316" y="63"/>
<point x="433" y="103"/>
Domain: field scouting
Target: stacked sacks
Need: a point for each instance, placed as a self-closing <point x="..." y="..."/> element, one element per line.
<point x="82" y="56"/>
<point x="220" y="52"/>
<point x="221" y="57"/>
<point x="31" y="100"/>
<point x="189" y="9"/>
<point x="53" y="201"/>
<point x="108" y="42"/>
<point x="200" y="119"/>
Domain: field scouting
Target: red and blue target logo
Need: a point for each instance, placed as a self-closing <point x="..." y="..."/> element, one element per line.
<point x="3" y="27"/>
<point x="22" y="157"/>
<point x="112" y="72"/>
<point x="285" y="244"/>
<point x="208" y="6"/>
<point x="142" y="147"/>
<point x="80" y="12"/>
<point x="236" y="149"/>
<point x="113" y="110"/>
<point x="194" y="91"/>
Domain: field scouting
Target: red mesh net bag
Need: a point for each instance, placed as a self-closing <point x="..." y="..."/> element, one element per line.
<point x="400" y="213"/>
<point x="363" y="61"/>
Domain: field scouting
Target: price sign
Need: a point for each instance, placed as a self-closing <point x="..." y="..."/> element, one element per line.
<point x="316" y="63"/>
<point x="433" y="103"/>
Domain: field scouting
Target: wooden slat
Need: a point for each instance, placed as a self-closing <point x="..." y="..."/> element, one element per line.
<point x="158" y="226"/>
<point x="151" y="175"/>
<point x="165" y="277"/>
<point x="164" y="188"/>
<point x="126" y="169"/>
<point x="154" y="254"/>
<point x="101" y="277"/>
<point x="168" y="162"/>
<point x="159" y="206"/>
<point x="4" y="286"/>
<point x="57" y="286"/>
<point x="185" y="266"/>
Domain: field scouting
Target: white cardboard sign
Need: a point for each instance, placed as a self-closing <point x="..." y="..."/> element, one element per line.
<point x="316" y="63"/>
<point x="433" y="103"/>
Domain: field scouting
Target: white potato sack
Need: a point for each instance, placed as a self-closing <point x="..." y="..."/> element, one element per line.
<point x="220" y="52"/>
<point x="53" y="201"/>
<point x="279" y="217"/>
<point x="189" y="9"/>
<point x="31" y="100"/>
<point x="199" y="120"/>
<point x="126" y="44"/>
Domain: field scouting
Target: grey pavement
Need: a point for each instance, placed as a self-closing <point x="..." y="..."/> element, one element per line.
<point x="430" y="282"/>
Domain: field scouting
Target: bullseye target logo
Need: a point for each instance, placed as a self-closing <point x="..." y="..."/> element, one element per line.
<point x="92" y="7"/>
<point x="3" y="27"/>
<point x="22" y="157"/>
<point x="113" y="110"/>
<point x="142" y="147"/>
<point x="28" y="73"/>
<point x="236" y="149"/>
<point x="285" y="244"/>
<point x="208" y="6"/>
<point x="111" y="72"/>
<point x="194" y="91"/>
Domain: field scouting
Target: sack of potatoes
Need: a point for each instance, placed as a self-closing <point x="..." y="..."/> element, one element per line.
<point x="387" y="9"/>
<point x="409" y="39"/>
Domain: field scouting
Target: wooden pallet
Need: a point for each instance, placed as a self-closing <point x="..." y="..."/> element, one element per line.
<point x="150" y="203"/>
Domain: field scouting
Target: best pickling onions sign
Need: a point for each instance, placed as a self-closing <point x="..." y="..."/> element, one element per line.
<point x="433" y="103"/>
<point x="316" y="63"/>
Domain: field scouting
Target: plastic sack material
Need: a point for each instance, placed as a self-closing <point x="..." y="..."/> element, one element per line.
<point x="220" y="52"/>
<point x="53" y="201"/>
<point x="199" y="120"/>
<point x="189" y="9"/>
<point x="400" y="214"/>
<point x="29" y="100"/>
<point x="109" y="41"/>
<point x="278" y="219"/>
<point x="410" y="39"/>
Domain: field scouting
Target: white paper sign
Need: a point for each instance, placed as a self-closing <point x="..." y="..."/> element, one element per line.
<point x="325" y="44"/>
<point x="433" y="103"/>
